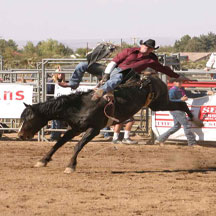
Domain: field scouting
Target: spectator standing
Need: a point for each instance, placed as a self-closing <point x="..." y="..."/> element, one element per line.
<point x="55" y="124"/>
<point x="177" y="94"/>
<point x="105" y="134"/>
<point x="117" y="128"/>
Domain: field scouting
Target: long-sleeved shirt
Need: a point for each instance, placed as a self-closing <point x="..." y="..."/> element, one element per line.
<point x="175" y="94"/>
<point x="133" y="58"/>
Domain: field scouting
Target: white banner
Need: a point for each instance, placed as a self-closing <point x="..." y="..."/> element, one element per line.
<point x="66" y="91"/>
<point x="203" y="108"/>
<point x="12" y="97"/>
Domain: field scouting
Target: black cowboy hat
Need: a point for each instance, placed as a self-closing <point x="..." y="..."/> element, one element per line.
<point x="149" y="43"/>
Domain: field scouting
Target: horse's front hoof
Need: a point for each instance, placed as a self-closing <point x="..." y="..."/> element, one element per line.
<point x="40" y="164"/>
<point x="69" y="170"/>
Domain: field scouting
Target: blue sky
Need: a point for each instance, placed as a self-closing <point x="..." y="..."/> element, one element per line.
<point x="104" y="19"/>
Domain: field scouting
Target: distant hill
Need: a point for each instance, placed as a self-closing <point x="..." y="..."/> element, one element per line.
<point x="82" y="43"/>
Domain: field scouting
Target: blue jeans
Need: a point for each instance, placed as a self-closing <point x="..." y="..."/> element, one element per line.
<point x="112" y="83"/>
<point x="55" y="124"/>
<point x="106" y="134"/>
<point x="77" y="75"/>
<point x="179" y="118"/>
<point x="115" y="79"/>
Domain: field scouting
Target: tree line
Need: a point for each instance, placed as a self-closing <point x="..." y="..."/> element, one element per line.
<point x="203" y="43"/>
<point x="30" y="54"/>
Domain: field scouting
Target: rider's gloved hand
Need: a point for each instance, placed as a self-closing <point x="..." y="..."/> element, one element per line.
<point x="103" y="80"/>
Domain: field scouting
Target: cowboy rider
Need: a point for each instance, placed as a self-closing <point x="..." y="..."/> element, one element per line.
<point x="137" y="58"/>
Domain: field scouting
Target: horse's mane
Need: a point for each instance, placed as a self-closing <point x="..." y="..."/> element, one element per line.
<point x="130" y="83"/>
<point x="55" y="104"/>
<point x="135" y="82"/>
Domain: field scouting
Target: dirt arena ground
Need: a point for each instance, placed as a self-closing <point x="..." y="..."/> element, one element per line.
<point x="110" y="180"/>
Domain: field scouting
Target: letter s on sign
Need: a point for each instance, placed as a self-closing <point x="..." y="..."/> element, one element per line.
<point x="19" y="95"/>
<point x="205" y="109"/>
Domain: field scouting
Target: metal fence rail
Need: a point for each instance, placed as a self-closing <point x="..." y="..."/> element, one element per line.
<point x="39" y="78"/>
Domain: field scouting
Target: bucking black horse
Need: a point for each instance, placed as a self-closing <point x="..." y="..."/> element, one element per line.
<point x="84" y="115"/>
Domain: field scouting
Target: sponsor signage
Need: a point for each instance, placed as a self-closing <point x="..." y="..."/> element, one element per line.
<point x="66" y="91"/>
<point x="12" y="97"/>
<point x="203" y="108"/>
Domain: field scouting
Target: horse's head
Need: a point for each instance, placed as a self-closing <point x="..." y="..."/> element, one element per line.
<point x="31" y="123"/>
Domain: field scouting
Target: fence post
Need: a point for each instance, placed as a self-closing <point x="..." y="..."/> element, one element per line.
<point x="43" y="86"/>
<point x="1" y="63"/>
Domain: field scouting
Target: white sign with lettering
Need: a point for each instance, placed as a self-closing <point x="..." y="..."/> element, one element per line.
<point x="203" y="108"/>
<point x="66" y="91"/>
<point x="12" y="97"/>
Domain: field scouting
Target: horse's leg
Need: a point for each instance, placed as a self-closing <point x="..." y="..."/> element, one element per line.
<point x="185" y="108"/>
<point x="89" y="135"/>
<point x="172" y="106"/>
<point x="67" y="136"/>
<point x="182" y="106"/>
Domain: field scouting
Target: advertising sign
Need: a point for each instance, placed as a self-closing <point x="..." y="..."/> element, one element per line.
<point x="203" y="108"/>
<point x="66" y="91"/>
<point x="12" y="97"/>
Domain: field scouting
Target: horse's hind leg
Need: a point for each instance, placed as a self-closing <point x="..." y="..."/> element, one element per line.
<point x="182" y="106"/>
<point x="171" y="106"/>
<point x="88" y="136"/>
<point x="67" y="136"/>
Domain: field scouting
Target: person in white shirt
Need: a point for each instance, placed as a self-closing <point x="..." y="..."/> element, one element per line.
<point x="211" y="64"/>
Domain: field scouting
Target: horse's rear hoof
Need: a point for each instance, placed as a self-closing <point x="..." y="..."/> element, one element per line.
<point x="40" y="164"/>
<point x="69" y="170"/>
<point x="198" y="123"/>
